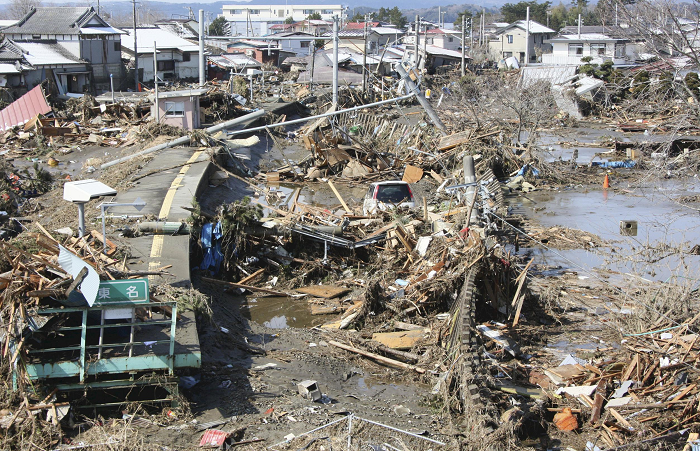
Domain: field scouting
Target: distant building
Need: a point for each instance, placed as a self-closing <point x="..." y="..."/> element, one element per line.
<point x="73" y="46"/>
<point x="510" y="41"/>
<point x="568" y="49"/>
<point x="257" y="20"/>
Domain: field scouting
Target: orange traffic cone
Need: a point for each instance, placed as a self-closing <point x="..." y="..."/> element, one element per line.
<point x="606" y="182"/>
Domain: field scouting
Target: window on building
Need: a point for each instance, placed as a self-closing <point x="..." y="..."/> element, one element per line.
<point x="280" y="13"/>
<point x="236" y="11"/>
<point x="304" y="44"/>
<point x="327" y="11"/>
<point x="254" y="12"/>
<point x="450" y="39"/>
<point x="620" y="50"/>
<point x="174" y="109"/>
<point x="117" y="46"/>
<point x="507" y="54"/>
<point x="509" y="37"/>
<point x="597" y="49"/>
<point x="576" y="49"/>
<point x="308" y="11"/>
<point x="166" y="65"/>
<point x="186" y="56"/>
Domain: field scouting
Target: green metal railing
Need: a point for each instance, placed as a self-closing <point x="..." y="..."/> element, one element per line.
<point x="114" y="363"/>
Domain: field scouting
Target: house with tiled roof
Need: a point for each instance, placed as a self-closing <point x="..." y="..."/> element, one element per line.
<point x="72" y="46"/>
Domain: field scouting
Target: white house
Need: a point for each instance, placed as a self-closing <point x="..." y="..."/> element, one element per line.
<point x="177" y="57"/>
<point x="256" y="20"/>
<point x="437" y="37"/>
<point x="570" y="48"/>
<point x="510" y="41"/>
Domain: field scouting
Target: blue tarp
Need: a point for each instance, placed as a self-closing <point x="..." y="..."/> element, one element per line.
<point x="526" y="168"/>
<point x="211" y="243"/>
<point x="615" y="164"/>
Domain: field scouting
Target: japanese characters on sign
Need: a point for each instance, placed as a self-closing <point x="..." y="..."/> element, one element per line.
<point x="121" y="291"/>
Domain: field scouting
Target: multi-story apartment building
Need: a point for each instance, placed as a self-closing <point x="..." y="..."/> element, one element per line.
<point x="256" y="20"/>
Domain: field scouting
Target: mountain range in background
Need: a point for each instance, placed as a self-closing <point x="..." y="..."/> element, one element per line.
<point x="150" y="11"/>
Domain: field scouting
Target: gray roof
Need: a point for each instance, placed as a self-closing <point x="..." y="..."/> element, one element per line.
<point x="9" y="51"/>
<point x="53" y="20"/>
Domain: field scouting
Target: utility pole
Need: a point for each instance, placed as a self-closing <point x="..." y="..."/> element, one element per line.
<point x="415" y="62"/>
<point x="464" y="42"/>
<point x="439" y="16"/>
<point x="527" y="37"/>
<point x="202" y="63"/>
<point x="136" y="53"/>
<point x="364" y="59"/>
<point x="421" y="98"/>
<point x="313" y="62"/>
<point x="335" y="61"/>
<point x="155" y="81"/>
<point x="579" y="26"/>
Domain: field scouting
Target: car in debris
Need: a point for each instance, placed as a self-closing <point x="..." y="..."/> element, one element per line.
<point x="383" y="196"/>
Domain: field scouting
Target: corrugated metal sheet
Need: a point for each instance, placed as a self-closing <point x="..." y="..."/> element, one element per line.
<point x="24" y="108"/>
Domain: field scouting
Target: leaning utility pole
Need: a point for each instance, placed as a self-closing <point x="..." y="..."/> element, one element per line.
<point x="202" y="63"/>
<point x="412" y="88"/>
<point x="464" y="42"/>
<point x="335" y="61"/>
<point x="136" y="53"/>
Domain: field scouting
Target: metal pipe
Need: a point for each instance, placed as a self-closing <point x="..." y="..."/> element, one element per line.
<point x="81" y="219"/>
<point x="335" y="61"/>
<point x="111" y="85"/>
<point x="470" y="178"/>
<point x="202" y="76"/>
<point x="306" y="119"/>
<point x="421" y="99"/>
<point x="186" y="139"/>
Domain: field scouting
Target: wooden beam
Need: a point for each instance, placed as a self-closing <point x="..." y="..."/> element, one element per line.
<point x="378" y="358"/>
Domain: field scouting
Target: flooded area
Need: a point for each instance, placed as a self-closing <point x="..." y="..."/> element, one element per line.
<point x="280" y="312"/>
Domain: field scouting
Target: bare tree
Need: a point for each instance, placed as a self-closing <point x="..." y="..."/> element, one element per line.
<point x="16" y="9"/>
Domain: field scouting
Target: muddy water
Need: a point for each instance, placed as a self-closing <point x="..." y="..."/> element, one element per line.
<point x="281" y="312"/>
<point x="661" y="221"/>
<point x="554" y="143"/>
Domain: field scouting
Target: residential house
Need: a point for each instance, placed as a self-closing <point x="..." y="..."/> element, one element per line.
<point x="360" y="25"/>
<point x="184" y="28"/>
<point x="257" y="20"/>
<point x="355" y="40"/>
<point x="297" y="45"/>
<point x="568" y="49"/>
<point x="222" y="65"/>
<point x="261" y="51"/>
<point x="314" y="27"/>
<point x="13" y="65"/>
<point x="388" y="35"/>
<point x="177" y="58"/>
<point x="71" y="45"/>
<point x="511" y="41"/>
<point x="437" y="37"/>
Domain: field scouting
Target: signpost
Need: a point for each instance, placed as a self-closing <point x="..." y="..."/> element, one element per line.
<point x="133" y="291"/>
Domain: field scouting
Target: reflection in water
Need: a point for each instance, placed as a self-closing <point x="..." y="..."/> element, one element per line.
<point x="277" y="322"/>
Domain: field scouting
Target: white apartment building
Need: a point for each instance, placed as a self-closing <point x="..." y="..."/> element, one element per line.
<point x="256" y="20"/>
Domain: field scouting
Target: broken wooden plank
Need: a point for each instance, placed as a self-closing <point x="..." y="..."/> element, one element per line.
<point x="340" y="198"/>
<point x="324" y="291"/>
<point x="412" y="174"/>
<point x="252" y="276"/>
<point x="403" y="340"/>
<point x="378" y="358"/>
<point x="453" y="140"/>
